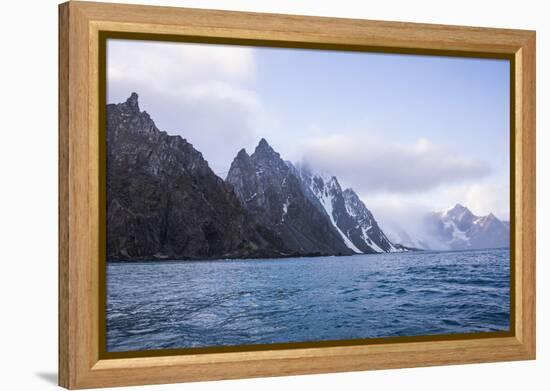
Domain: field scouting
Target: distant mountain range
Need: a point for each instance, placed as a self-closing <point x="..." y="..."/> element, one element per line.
<point x="460" y="229"/>
<point x="164" y="202"/>
<point x="456" y="228"/>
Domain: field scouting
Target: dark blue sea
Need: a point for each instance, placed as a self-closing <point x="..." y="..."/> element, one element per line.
<point x="182" y="304"/>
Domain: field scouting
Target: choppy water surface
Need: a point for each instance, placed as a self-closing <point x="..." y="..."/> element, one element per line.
<point x="158" y="305"/>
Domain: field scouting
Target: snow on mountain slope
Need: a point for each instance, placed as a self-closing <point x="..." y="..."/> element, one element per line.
<point x="371" y="232"/>
<point x="346" y="211"/>
<point x="270" y="192"/>
<point x="460" y="229"/>
<point x="326" y="200"/>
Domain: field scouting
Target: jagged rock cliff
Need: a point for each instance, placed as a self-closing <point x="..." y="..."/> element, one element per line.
<point x="366" y="229"/>
<point x="270" y="190"/>
<point x="163" y="201"/>
<point x="354" y="222"/>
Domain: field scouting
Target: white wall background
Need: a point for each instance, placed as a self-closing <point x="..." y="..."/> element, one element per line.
<point x="28" y="194"/>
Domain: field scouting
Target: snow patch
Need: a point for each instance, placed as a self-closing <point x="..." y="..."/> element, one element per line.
<point x="371" y="243"/>
<point x="456" y="232"/>
<point x="285" y="209"/>
<point x="326" y="201"/>
<point x="251" y="197"/>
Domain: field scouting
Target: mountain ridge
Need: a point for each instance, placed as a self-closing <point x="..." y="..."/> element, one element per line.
<point x="460" y="229"/>
<point x="165" y="202"/>
<point x="355" y="223"/>
<point x="268" y="189"/>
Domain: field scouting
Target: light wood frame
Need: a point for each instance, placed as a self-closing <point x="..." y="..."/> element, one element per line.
<point x="80" y="23"/>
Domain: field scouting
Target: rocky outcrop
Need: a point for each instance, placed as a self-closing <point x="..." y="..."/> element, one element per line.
<point x="269" y="189"/>
<point x="349" y="215"/>
<point x="163" y="200"/>
<point x="366" y="233"/>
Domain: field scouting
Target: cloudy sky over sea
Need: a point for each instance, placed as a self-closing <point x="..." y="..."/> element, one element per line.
<point x="408" y="133"/>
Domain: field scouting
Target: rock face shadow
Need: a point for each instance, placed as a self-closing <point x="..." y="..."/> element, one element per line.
<point x="48" y="377"/>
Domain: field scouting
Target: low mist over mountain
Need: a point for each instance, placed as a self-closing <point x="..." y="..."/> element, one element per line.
<point x="164" y="201"/>
<point x="347" y="213"/>
<point x="456" y="228"/>
<point x="460" y="229"/>
<point x="270" y="191"/>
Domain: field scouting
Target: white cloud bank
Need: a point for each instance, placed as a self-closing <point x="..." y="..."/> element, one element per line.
<point x="400" y="183"/>
<point x="202" y="92"/>
<point x="396" y="212"/>
<point x="373" y="166"/>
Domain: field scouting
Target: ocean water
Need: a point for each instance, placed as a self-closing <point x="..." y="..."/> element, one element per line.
<point x="182" y="304"/>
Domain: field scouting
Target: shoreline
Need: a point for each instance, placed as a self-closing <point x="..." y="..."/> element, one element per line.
<point x="181" y="260"/>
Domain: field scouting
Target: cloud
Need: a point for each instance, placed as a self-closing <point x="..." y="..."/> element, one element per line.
<point x="403" y="220"/>
<point x="370" y="166"/>
<point x="401" y="216"/>
<point x="205" y="93"/>
<point x="208" y="94"/>
<point x="482" y="197"/>
<point x="170" y="64"/>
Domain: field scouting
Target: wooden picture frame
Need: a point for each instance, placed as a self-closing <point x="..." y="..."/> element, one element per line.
<point x="81" y="244"/>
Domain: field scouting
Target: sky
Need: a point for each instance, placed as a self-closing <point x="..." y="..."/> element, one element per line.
<point x="408" y="133"/>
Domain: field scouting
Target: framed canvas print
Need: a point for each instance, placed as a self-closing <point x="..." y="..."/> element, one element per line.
<point x="247" y="195"/>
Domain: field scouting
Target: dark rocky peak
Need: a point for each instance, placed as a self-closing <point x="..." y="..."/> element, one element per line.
<point x="318" y="183"/>
<point x="323" y="185"/>
<point x="130" y="107"/>
<point x="242" y="176"/>
<point x="265" y="151"/>
<point x="264" y="145"/>
<point x="242" y="160"/>
<point x="164" y="201"/>
<point x="271" y="189"/>
<point x="132" y="102"/>
<point x="334" y="184"/>
<point x="268" y="162"/>
<point x="152" y="148"/>
<point x="242" y="154"/>
<point x="127" y="116"/>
